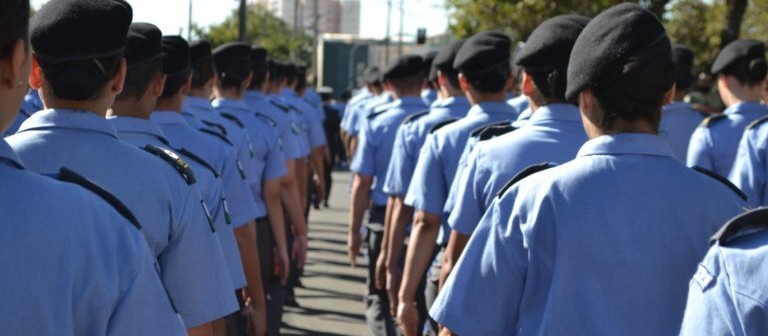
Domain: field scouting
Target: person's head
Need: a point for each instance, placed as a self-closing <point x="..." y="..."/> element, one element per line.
<point x="300" y="84"/>
<point x="15" y="58"/>
<point x="233" y="68"/>
<point x="203" y="71"/>
<point x="704" y="82"/>
<point x="682" y="57"/>
<point x="176" y="67"/>
<point x="260" y="68"/>
<point x="544" y="59"/>
<point x="372" y="80"/>
<point x="144" y="79"/>
<point x="621" y="71"/>
<point x="428" y="58"/>
<point x="445" y="74"/>
<point x="326" y="94"/>
<point x="405" y="76"/>
<point x="78" y="47"/>
<point x="483" y="64"/>
<point x="276" y="75"/>
<point x="741" y="68"/>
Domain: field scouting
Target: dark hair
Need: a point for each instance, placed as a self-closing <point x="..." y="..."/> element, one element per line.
<point x="550" y="85"/>
<point x="276" y="73"/>
<point x="452" y="76"/>
<point x="139" y="77"/>
<point x="301" y="79"/>
<point x="202" y="71"/>
<point x="14" y="14"/>
<point x="259" y="76"/>
<point x="616" y="103"/>
<point x="410" y="83"/>
<point x="494" y="80"/>
<point x="80" y="79"/>
<point x="174" y="83"/>
<point x="749" y="72"/>
<point x="232" y="75"/>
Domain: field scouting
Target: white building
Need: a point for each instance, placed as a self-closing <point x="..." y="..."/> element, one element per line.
<point x="328" y="16"/>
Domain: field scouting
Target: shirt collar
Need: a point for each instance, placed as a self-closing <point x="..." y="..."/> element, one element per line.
<point x="138" y="125"/>
<point x="410" y="100"/>
<point x="194" y="104"/>
<point x="556" y="112"/>
<point x="9" y="156"/>
<point x="743" y="107"/>
<point x="253" y="94"/>
<point x="286" y="92"/>
<point x="677" y="105"/>
<point x="455" y="100"/>
<point x="167" y="117"/>
<point x="68" y="119"/>
<point x="491" y="107"/>
<point x="627" y="143"/>
<point x="230" y="105"/>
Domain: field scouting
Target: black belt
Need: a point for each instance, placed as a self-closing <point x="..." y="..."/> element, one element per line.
<point x="262" y="220"/>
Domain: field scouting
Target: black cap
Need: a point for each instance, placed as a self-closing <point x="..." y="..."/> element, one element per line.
<point x="549" y="46"/>
<point x="200" y="51"/>
<point x="258" y="55"/>
<point x="405" y="66"/>
<point x="371" y="75"/>
<point x="736" y="50"/>
<point x="175" y="55"/>
<point x="483" y="52"/>
<point x="444" y="59"/>
<point x="232" y="53"/>
<point x="616" y="48"/>
<point x="67" y="30"/>
<point x="428" y="58"/>
<point x="143" y="43"/>
<point x="682" y="57"/>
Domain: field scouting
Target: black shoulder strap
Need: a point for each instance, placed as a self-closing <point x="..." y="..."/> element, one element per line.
<point x="198" y="159"/>
<point x="755" y="219"/>
<point x="525" y="173"/>
<point x="441" y="125"/>
<point x="25" y="113"/>
<point x="757" y="122"/>
<point x="415" y="116"/>
<point x="67" y="175"/>
<point x="476" y="132"/>
<point x="711" y="120"/>
<point x="218" y="135"/>
<point x="219" y="127"/>
<point x="494" y="131"/>
<point x="723" y="180"/>
<point x="174" y="160"/>
<point x="280" y="106"/>
<point x="375" y="114"/>
<point x="233" y="119"/>
<point x="271" y="122"/>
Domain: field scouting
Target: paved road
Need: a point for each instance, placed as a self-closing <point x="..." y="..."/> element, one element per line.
<point x="332" y="302"/>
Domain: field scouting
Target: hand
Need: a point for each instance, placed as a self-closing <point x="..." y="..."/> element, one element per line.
<point x="284" y="265"/>
<point x="408" y="318"/>
<point x="354" y="241"/>
<point x="257" y="322"/>
<point x="319" y="187"/>
<point x="299" y="250"/>
<point x="394" y="277"/>
<point x="381" y="272"/>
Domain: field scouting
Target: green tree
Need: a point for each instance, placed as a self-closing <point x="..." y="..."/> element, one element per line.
<point x="264" y="29"/>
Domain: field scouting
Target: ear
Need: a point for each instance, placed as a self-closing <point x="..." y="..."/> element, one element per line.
<point x="119" y="81"/>
<point x="463" y="83"/>
<point x="188" y="85"/>
<point x="36" y="75"/>
<point x="586" y="102"/>
<point x="13" y="71"/>
<point x="670" y="95"/>
<point x="247" y="82"/>
<point x="527" y="86"/>
<point x="441" y="78"/>
<point x="158" y="85"/>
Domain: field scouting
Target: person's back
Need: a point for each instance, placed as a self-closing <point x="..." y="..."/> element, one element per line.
<point x="679" y="119"/>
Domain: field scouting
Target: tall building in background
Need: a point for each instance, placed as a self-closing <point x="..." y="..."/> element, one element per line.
<point x="350" y="17"/>
<point x="327" y="16"/>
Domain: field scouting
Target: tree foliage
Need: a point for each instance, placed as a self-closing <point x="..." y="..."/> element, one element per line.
<point x="264" y="29"/>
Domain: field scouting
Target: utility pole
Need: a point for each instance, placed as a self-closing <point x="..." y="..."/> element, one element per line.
<point x="189" y="22"/>
<point x="400" y="35"/>
<point x="241" y="31"/>
<point x="386" y="38"/>
<point x="315" y="41"/>
<point x="295" y="27"/>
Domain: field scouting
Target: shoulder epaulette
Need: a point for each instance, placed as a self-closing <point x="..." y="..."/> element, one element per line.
<point x="233" y="119"/>
<point x="374" y="114"/>
<point x="219" y="127"/>
<point x="525" y="173"/>
<point x="25" y="113"/>
<point x="415" y="116"/>
<point x="755" y="219"/>
<point x="723" y="180"/>
<point x="218" y="135"/>
<point x="174" y="160"/>
<point x="70" y="176"/>
<point x="271" y="122"/>
<point x="757" y="122"/>
<point x="711" y="120"/>
<point x="476" y="132"/>
<point x="198" y="159"/>
<point x="441" y="125"/>
<point x="494" y="131"/>
<point x="280" y="106"/>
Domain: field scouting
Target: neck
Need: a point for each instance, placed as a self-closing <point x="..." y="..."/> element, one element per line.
<point x="741" y="94"/>
<point x="199" y="92"/>
<point x="476" y="97"/>
<point x="131" y="108"/>
<point x="172" y="103"/>
<point x="228" y="93"/>
<point x="98" y="107"/>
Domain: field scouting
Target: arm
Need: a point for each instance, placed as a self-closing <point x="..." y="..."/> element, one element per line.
<point x="317" y="157"/>
<point x="381" y="270"/>
<point x="361" y="192"/>
<point x="272" y="200"/>
<point x="402" y="215"/>
<point x="453" y="251"/>
<point x="249" y="254"/>
<point x="289" y="196"/>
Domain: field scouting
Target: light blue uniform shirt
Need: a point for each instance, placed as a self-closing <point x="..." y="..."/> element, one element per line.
<point x="314" y="126"/>
<point x="520" y="103"/>
<point x="238" y="201"/>
<point x="439" y="159"/>
<point x="554" y="134"/>
<point x="170" y="211"/>
<point x="750" y="169"/>
<point x="728" y="295"/>
<point x="429" y="96"/>
<point x="352" y="105"/>
<point x="678" y="122"/>
<point x="269" y="162"/>
<point x="714" y="146"/>
<point x="288" y="136"/>
<point x="410" y="138"/>
<point x="72" y="264"/>
<point x="359" y="118"/>
<point x="602" y="245"/>
<point x="29" y="106"/>
<point x="298" y="124"/>
<point x="376" y="140"/>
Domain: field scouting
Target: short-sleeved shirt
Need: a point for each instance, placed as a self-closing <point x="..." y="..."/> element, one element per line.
<point x="678" y="122"/>
<point x="750" y="168"/>
<point x="609" y="235"/>
<point x="713" y="145"/>
<point x="314" y="125"/>
<point x="376" y="140"/>
<point x="440" y="154"/>
<point x="728" y="294"/>
<point x="357" y="120"/>
<point x="269" y="163"/>
<point x="554" y="134"/>
<point x="359" y="98"/>
<point x="429" y="96"/>
<point x="519" y="102"/>
<point x="173" y="220"/>
<point x="238" y="200"/>
<point x="411" y="136"/>
<point x="29" y="106"/>
<point x="288" y="136"/>
<point x="73" y="264"/>
<point x="298" y="123"/>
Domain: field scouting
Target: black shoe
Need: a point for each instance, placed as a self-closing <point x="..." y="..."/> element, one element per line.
<point x="290" y="301"/>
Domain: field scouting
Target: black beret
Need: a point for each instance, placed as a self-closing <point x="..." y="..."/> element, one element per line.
<point x="549" y="46"/>
<point x="483" y="52"/>
<point x="371" y="75"/>
<point x="258" y="55"/>
<point x="428" y="58"/>
<point x="736" y="50"/>
<point x="445" y="57"/>
<point x="616" y="47"/>
<point x="405" y="66"/>
<point x="232" y="53"/>
<point x="682" y="57"/>
<point x="175" y="55"/>
<point x="143" y="43"/>
<point x="67" y="30"/>
<point x="200" y="51"/>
